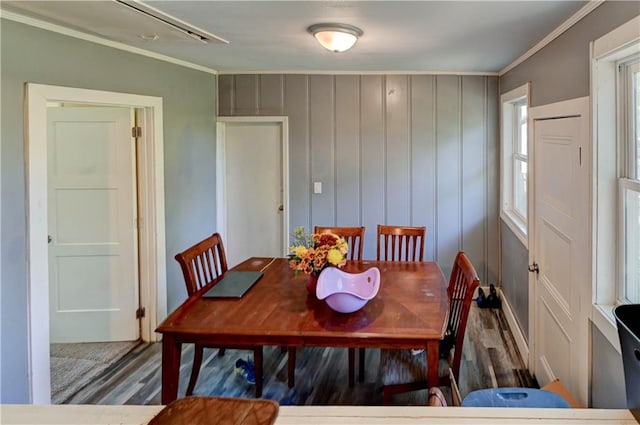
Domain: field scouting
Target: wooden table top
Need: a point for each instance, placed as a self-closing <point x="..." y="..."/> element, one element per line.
<point x="410" y="308"/>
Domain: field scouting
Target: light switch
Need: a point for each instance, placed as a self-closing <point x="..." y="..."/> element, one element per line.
<point x="317" y="187"/>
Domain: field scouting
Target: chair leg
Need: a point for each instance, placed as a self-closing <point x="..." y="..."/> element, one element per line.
<point x="352" y="361"/>
<point x="195" y="368"/>
<point x="291" y="366"/>
<point x="257" y="361"/>
<point x="386" y="396"/>
<point x="361" y="364"/>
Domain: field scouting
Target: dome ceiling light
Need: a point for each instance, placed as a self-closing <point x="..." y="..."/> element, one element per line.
<point x="335" y="37"/>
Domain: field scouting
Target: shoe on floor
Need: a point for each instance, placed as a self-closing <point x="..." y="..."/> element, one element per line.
<point x="246" y="369"/>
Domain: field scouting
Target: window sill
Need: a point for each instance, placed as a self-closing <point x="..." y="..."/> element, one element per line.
<point x="516" y="227"/>
<point x="603" y="319"/>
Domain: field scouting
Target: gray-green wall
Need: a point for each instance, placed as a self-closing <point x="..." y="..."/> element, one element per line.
<point x="558" y="72"/>
<point x="189" y="97"/>
<point x="515" y="275"/>
<point x="396" y="149"/>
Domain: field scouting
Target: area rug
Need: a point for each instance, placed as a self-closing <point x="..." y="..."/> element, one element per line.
<point x="74" y="365"/>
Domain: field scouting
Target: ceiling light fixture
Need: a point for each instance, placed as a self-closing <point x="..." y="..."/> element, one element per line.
<point x="335" y="37"/>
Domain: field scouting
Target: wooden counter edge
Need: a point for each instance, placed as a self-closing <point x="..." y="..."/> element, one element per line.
<point x="11" y="414"/>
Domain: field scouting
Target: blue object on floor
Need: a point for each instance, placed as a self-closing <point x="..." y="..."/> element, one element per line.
<point x="514" y="397"/>
<point x="246" y="369"/>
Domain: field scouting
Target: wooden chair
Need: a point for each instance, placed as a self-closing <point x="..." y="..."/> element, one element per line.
<point x="400" y="243"/>
<point x="202" y="264"/>
<point x="403" y="370"/>
<point x="355" y="238"/>
<point x="353" y="235"/>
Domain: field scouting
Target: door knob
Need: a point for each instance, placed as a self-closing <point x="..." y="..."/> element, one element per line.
<point x="534" y="268"/>
<point x="281" y="208"/>
<point x="49" y="239"/>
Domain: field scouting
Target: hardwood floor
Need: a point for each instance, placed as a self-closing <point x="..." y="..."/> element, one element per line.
<point x="490" y="360"/>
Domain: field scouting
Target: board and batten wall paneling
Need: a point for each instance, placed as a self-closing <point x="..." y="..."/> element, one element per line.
<point x="347" y="161"/>
<point x="271" y="94"/>
<point x="492" y="181"/>
<point x="296" y="107"/>
<point x="448" y="231"/>
<point x="397" y="166"/>
<point x="372" y="164"/>
<point x="473" y="126"/>
<point x="417" y="150"/>
<point x="423" y="157"/>
<point x="322" y="138"/>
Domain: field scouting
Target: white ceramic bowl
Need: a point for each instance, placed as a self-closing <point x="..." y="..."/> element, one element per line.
<point x="347" y="292"/>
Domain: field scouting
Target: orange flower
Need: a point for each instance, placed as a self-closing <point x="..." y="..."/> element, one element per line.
<point x="312" y="253"/>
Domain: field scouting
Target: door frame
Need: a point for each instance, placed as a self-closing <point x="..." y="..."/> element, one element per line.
<point x="221" y="186"/>
<point x="564" y="109"/>
<point x="151" y="245"/>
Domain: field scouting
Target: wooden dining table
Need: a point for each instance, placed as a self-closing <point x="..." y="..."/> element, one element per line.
<point x="410" y="311"/>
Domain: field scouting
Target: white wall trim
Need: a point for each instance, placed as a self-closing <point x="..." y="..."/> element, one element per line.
<point x="152" y="246"/>
<point x="516" y="330"/>
<point x="342" y="72"/>
<point x="221" y="196"/>
<point x="618" y="43"/>
<point x="518" y="227"/>
<point x="573" y="19"/>
<point x="98" y="40"/>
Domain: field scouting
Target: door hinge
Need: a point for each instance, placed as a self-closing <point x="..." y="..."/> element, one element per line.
<point x="140" y="313"/>
<point x="136" y="132"/>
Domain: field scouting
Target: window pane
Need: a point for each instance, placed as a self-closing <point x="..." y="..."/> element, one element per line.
<point x="520" y="187"/>
<point x="522" y="129"/>
<point x="632" y="245"/>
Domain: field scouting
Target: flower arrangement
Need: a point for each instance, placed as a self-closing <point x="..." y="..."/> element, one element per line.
<point x="312" y="253"/>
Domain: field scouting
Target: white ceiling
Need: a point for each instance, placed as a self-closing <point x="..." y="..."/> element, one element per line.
<point x="271" y="36"/>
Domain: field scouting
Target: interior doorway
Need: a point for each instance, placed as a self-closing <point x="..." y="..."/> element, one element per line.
<point x="253" y="189"/>
<point x="151" y="241"/>
<point x="92" y="216"/>
<point x="560" y="247"/>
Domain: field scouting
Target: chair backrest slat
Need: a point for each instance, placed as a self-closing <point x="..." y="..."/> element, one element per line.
<point x="400" y="243"/>
<point x="203" y="263"/>
<point x="353" y="235"/>
<point x="462" y="286"/>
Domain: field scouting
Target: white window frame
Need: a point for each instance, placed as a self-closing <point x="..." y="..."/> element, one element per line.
<point x="508" y="145"/>
<point x="609" y="168"/>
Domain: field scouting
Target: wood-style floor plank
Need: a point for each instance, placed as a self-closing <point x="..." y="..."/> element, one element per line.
<point x="490" y="359"/>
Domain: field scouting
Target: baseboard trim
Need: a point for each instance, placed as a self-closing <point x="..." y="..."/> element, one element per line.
<point x="516" y="331"/>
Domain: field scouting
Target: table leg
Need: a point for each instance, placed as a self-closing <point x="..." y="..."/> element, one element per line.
<point x="433" y="349"/>
<point x="171" y="352"/>
<point x="257" y="362"/>
<point x="291" y="366"/>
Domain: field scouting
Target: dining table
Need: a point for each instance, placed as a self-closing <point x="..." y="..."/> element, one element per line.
<point x="410" y="310"/>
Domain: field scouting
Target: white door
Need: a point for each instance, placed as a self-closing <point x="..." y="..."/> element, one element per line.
<point x="562" y="251"/>
<point x="254" y="190"/>
<point x="91" y="221"/>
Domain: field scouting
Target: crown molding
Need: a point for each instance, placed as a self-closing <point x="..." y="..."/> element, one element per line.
<point x="573" y="19"/>
<point x="99" y="40"/>
<point x="380" y="72"/>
